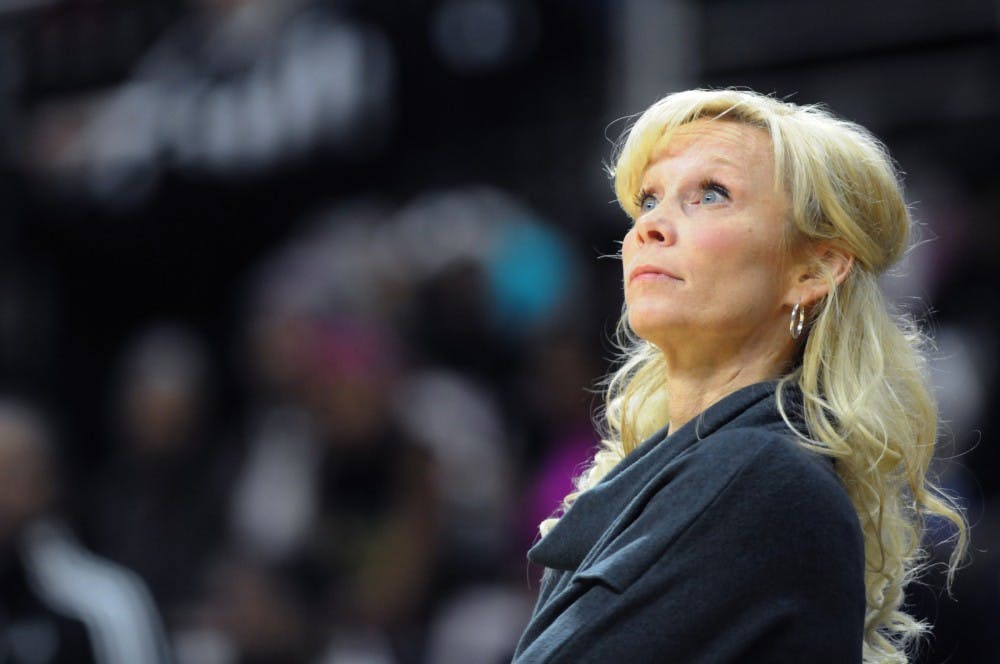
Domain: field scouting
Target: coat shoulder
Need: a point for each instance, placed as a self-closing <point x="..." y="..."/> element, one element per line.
<point x="788" y="487"/>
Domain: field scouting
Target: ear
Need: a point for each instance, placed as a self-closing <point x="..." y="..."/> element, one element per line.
<point x="824" y="267"/>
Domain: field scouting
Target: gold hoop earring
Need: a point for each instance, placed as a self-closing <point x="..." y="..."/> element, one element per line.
<point x="798" y="319"/>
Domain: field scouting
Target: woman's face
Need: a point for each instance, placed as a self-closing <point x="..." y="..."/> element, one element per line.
<point x="705" y="264"/>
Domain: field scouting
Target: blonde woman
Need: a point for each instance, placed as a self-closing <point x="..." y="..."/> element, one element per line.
<point x="761" y="492"/>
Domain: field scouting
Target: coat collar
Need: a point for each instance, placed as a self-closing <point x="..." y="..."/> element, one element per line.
<point x="595" y="510"/>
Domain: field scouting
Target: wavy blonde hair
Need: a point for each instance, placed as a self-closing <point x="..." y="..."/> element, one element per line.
<point x="866" y="402"/>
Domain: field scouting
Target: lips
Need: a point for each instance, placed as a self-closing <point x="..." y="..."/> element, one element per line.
<point x="651" y="272"/>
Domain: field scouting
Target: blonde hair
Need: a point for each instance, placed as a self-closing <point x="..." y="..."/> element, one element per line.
<point x="861" y="372"/>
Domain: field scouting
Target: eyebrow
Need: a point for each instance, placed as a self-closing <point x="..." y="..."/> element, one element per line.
<point x="717" y="160"/>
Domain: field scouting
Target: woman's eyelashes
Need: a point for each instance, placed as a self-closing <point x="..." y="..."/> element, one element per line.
<point x="708" y="192"/>
<point x="712" y="192"/>
<point x="645" y="200"/>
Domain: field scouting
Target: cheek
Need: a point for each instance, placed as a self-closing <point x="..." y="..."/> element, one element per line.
<point x="628" y="250"/>
<point x="722" y="242"/>
<point x="747" y="262"/>
<point x="739" y="249"/>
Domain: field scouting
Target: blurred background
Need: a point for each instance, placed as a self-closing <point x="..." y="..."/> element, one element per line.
<point x="301" y="301"/>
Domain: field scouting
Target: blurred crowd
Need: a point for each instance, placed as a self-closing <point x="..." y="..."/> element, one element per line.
<point x="298" y="343"/>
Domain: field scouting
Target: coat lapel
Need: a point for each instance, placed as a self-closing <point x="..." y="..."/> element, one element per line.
<point x="598" y="513"/>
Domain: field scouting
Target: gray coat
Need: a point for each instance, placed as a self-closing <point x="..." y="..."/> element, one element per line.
<point x="725" y="541"/>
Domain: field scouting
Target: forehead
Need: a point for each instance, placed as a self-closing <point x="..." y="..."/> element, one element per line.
<point x="724" y="142"/>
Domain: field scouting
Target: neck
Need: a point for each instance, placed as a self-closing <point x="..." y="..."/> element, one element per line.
<point x="693" y="387"/>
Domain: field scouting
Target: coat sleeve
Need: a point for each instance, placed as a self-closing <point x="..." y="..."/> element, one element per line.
<point x="770" y="569"/>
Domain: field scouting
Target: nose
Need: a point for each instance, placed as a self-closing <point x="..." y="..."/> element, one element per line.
<point x="654" y="228"/>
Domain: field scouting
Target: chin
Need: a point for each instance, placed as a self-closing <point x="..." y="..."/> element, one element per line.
<point x="650" y="325"/>
<point x="660" y="319"/>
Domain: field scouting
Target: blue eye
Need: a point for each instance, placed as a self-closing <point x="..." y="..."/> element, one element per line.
<point x="647" y="202"/>
<point x="712" y="193"/>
